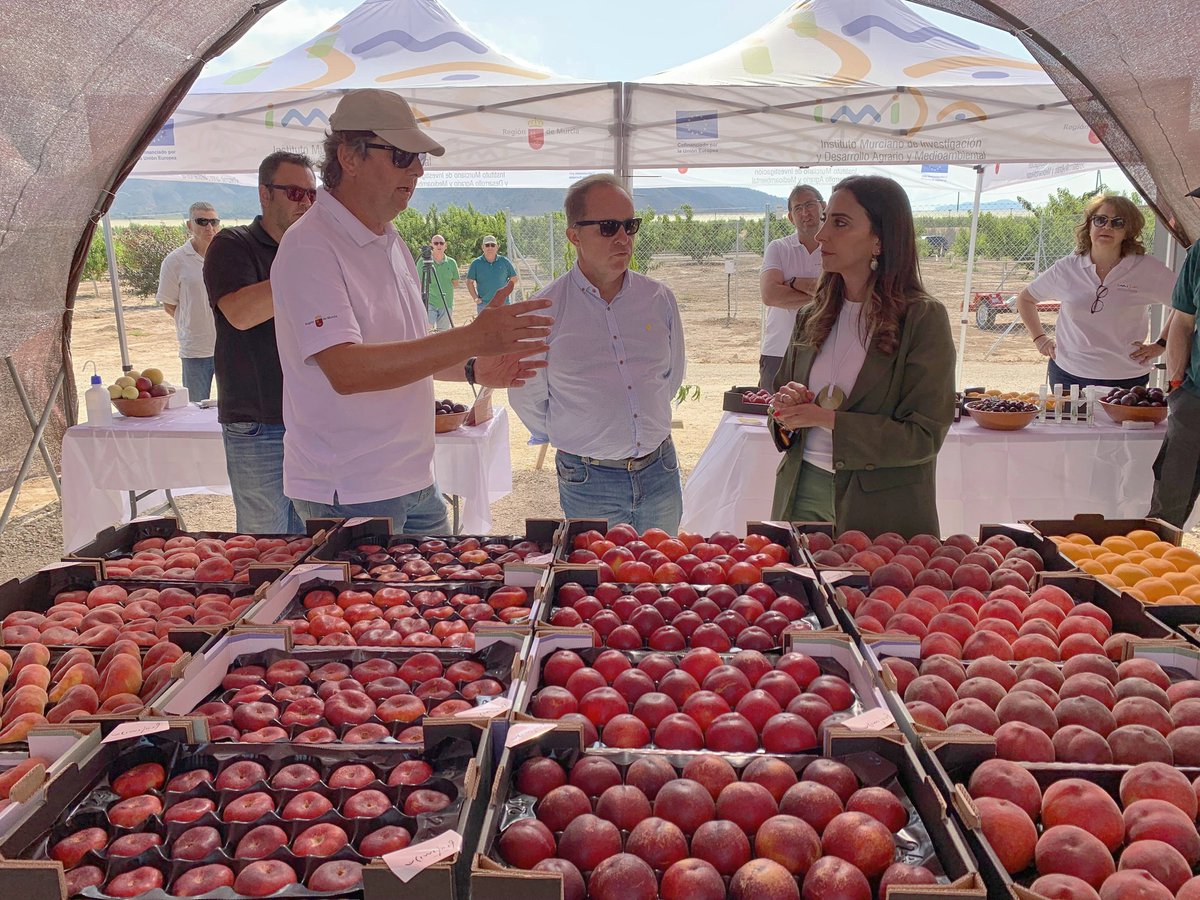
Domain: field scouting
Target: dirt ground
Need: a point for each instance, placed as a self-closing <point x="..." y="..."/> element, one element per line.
<point x="722" y="352"/>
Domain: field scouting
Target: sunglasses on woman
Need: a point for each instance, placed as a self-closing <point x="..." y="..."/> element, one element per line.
<point x="295" y="193"/>
<point x="401" y="159"/>
<point x="608" y="227"/>
<point x="1102" y="221"/>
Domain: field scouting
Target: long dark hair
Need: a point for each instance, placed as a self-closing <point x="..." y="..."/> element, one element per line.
<point x="893" y="285"/>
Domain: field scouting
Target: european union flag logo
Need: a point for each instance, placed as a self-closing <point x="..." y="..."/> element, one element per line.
<point x="165" y="136"/>
<point x="695" y="124"/>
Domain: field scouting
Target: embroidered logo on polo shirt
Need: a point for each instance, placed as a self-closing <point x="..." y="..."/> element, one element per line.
<point x="320" y="321"/>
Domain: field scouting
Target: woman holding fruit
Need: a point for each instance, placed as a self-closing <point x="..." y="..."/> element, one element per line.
<point x="865" y="394"/>
<point x="1105" y="290"/>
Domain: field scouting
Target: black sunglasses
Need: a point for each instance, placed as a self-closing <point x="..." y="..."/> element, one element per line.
<point x="1114" y="221"/>
<point x="295" y="193"/>
<point x="202" y="221"/>
<point x="401" y="159"/>
<point x="608" y="227"/>
<point x="1098" y="303"/>
<point x="439" y="243"/>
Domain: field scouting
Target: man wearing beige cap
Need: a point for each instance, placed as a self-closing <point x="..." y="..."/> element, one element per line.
<point x="491" y="275"/>
<point x="358" y="362"/>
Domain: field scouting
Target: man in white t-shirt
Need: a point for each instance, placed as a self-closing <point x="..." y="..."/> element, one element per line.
<point x="788" y="278"/>
<point x="182" y="294"/>
<point x="358" y="362"/>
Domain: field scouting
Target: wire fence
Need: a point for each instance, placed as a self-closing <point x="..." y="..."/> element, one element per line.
<point x="712" y="261"/>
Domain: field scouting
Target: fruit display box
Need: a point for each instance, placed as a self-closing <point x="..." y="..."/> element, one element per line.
<point x="67" y="604"/>
<point x="160" y="814"/>
<point x="1103" y="627"/>
<point x="252" y="688"/>
<point x="1098" y="528"/>
<point x="1127" y="832"/>
<point x="680" y="616"/>
<point x="645" y="824"/>
<point x="324" y="609"/>
<point x="373" y="553"/>
<point x="736" y="702"/>
<point x="734" y="400"/>
<point x="156" y="538"/>
<point x="44" y="686"/>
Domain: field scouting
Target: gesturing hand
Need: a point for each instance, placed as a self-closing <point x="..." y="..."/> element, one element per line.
<point x="1145" y="353"/>
<point x="508" y="371"/>
<point x="500" y="329"/>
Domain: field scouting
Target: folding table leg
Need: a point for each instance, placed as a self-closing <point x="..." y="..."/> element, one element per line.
<point x="38" y="433"/>
<point x="455" y="501"/>
<point x="33" y="422"/>
<point x="134" y="497"/>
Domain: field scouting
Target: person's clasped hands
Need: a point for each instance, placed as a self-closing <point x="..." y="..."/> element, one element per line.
<point x="792" y="406"/>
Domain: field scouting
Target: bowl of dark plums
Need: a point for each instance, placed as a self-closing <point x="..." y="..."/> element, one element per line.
<point x="448" y="415"/>
<point x="1002" y="415"/>
<point x="1135" y="404"/>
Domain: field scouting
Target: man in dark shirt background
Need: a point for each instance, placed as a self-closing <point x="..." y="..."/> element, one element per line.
<point x="237" y="272"/>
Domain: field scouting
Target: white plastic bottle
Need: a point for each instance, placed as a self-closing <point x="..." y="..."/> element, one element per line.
<point x="99" y="407"/>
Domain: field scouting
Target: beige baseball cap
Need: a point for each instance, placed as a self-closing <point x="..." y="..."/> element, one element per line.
<point x="489" y="239"/>
<point x="386" y="114"/>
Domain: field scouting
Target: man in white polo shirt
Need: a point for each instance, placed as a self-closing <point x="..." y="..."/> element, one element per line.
<point x="358" y="362"/>
<point x="181" y="293"/>
<point x="788" y="278"/>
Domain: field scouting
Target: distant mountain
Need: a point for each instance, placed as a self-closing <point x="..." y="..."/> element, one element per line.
<point x="984" y="206"/>
<point x="142" y="198"/>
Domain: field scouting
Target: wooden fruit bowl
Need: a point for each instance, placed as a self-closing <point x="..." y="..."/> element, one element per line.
<point x="141" y="408"/>
<point x="1001" y="421"/>
<point x="1119" y="413"/>
<point x="445" y="422"/>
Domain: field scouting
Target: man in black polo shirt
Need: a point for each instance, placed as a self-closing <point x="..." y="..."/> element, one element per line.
<point x="237" y="272"/>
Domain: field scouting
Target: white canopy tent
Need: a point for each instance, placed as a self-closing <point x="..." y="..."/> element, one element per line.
<point x="491" y="111"/>
<point x="855" y="83"/>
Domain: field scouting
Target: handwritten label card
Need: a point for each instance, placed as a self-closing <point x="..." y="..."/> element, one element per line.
<point x="871" y="720"/>
<point x="489" y="710"/>
<point x="406" y="864"/>
<point x="129" y="730"/>
<point x="523" y="732"/>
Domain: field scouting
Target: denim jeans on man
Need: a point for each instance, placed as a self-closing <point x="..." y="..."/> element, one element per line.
<point x="439" y="319"/>
<point x="254" y="459"/>
<point x="646" y="498"/>
<point x="197" y="376"/>
<point x="421" y="512"/>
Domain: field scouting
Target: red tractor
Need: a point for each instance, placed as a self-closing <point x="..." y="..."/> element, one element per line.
<point x="989" y="304"/>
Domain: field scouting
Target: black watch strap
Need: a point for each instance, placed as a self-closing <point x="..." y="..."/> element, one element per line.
<point x="1162" y="342"/>
<point x="469" y="369"/>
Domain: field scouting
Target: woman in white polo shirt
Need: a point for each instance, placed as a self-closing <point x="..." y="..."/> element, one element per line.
<point x="1105" y="289"/>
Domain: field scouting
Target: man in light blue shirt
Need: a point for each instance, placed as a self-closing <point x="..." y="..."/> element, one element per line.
<point x="490" y="274"/>
<point x="616" y="360"/>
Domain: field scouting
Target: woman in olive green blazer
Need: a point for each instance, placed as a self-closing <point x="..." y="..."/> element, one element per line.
<point x="891" y="419"/>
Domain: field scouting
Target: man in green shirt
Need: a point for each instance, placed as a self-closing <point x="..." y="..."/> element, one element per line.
<point x="1177" y="468"/>
<point x="490" y="274"/>
<point x="443" y="279"/>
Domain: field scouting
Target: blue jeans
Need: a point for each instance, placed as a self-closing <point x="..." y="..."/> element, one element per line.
<point x="254" y="459"/>
<point x="421" y="512"/>
<point x="197" y="376"/>
<point x="648" y="498"/>
<point x="1056" y="375"/>
<point x="439" y="319"/>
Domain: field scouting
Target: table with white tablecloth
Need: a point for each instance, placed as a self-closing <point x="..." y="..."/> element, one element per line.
<point x="182" y="450"/>
<point x="1048" y="470"/>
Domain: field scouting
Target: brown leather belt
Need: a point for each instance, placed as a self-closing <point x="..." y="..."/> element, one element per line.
<point x="631" y="464"/>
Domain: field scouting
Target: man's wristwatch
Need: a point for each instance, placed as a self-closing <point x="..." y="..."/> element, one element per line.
<point x="792" y="284"/>
<point x="1162" y="342"/>
<point x="469" y="369"/>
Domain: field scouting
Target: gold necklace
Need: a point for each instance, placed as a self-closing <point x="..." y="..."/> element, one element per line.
<point x="831" y="396"/>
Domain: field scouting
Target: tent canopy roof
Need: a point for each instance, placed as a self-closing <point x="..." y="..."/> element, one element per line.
<point x="852" y="43"/>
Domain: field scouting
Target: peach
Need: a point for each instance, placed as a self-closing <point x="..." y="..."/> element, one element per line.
<point x="1190" y="889"/>
<point x="1063" y="887"/>
<point x="622" y="876"/>
<point x="1005" y="780"/>
<point x="1133" y="744"/>
<point x="1143" y="711"/>
<point x="624" y="806"/>
<point x="1020" y="706"/>
<point x="947" y="667"/>
<point x="1184" y="744"/>
<point x="686" y="803"/>
<point x="723" y="845"/>
<point x="1077" y="644"/>
<point x="1158" y="781"/>
<point x="880" y="804"/>
<point x="861" y="840"/>
<point x="689" y="879"/>
<point x="931" y="689"/>
<point x="1086" y="711"/>
<point x="657" y="841"/>
<point x="648" y="774"/>
<point x="1161" y="820"/>
<point x="1161" y="860"/>
<point x="987" y="643"/>
<point x="594" y="775"/>
<point x="938" y="644"/>
<point x="1009" y="831"/>
<point x="1070" y="850"/>
<point x="812" y="802"/>
<point x="924" y="714"/>
<point x="983" y="689"/>
<point x="904" y="873"/>
<point x="1023" y="742"/>
<point x="763" y="879"/>
<point x="1075" y="801"/>
<point x="1140" y="687"/>
<point x="1134" y="884"/>
<point x="833" y="877"/>
<point x="773" y="774"/>
<point x="525" y="843"/>
<point x="1079" y="744"/>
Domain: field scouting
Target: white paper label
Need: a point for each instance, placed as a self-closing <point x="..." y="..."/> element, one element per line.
<point x="489" y="710"/>
<point x="523" y="732"/>
<point x="871" y="720"/>
<point x="129" y="730"/>
<point x="358" y="520"/>
<point x="406" y="864"/>
<point x="542" y="559"/>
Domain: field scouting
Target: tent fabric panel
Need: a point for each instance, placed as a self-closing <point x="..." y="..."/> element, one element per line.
<point x="1133" y="77"/>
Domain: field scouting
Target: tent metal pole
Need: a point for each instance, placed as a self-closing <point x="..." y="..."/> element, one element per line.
<point x="38" y="434"/>
<point x="966" y="304"/>
<point x="118" y="310"/>
<point x="621" y="138"/>
<point x="33" y="423"/>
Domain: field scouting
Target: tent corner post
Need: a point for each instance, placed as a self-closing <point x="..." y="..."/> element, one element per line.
<point x="966" y="303"/>
<point x="118" y="309"/>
